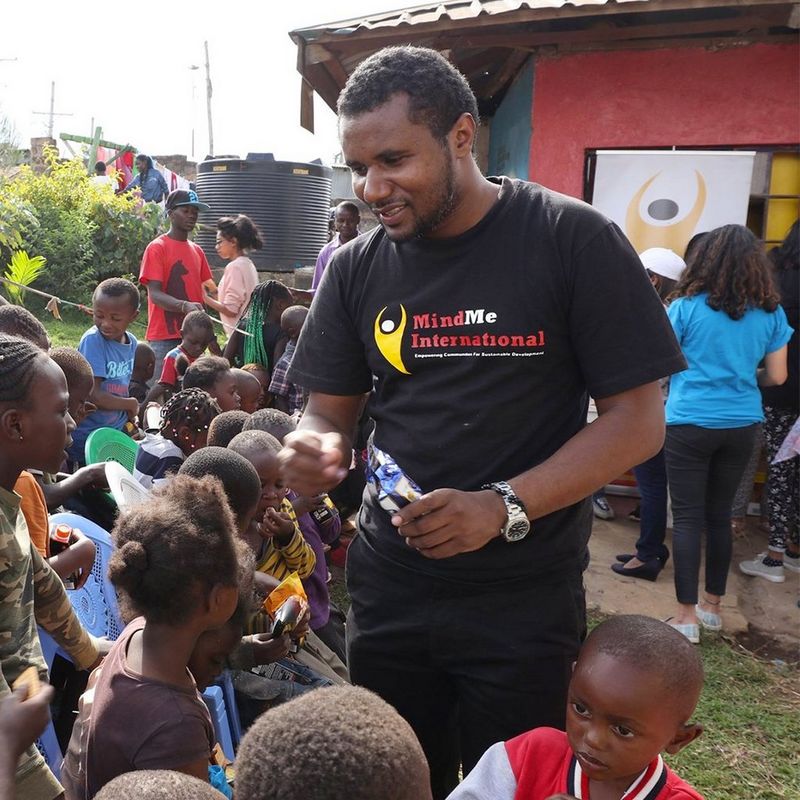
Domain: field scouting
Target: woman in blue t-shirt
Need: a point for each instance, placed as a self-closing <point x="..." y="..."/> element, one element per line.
<point x="727" y="318"/>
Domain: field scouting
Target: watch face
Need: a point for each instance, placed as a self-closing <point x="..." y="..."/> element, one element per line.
<point x="517" y="529"/>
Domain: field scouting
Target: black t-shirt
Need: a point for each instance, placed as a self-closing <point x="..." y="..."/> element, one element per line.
<point x="481" y="351"/>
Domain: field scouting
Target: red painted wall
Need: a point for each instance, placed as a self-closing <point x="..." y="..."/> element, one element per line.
<point x="653" y="98"/>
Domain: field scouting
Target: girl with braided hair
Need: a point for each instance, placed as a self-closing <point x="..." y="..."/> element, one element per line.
<point x="727" y="319"/>
<point x="35" y="429"/>
<point x="185" y="420"/>
<point x="262" y="320"/>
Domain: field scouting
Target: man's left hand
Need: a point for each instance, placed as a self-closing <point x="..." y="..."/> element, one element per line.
<point x="446" y="522"/>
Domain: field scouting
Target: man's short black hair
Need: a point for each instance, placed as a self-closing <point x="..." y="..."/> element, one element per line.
<point x="118" y="287"/>
<point x="438" y="94"/>
<point x="346" y="205"/>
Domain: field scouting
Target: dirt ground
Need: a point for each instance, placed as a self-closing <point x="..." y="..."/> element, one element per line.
<point x="762" y="616"/>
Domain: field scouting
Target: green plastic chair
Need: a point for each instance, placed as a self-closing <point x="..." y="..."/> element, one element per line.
<point x="109" y="444"/>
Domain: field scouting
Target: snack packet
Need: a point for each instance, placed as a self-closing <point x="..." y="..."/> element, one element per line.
<point x="286" y="604"/>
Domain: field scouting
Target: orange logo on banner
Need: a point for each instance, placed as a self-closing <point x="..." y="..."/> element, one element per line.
<point x="389" y="339"/>
<point x="675" y="237"/>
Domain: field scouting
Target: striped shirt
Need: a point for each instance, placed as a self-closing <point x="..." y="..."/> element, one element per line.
<point x="157" y="460"/>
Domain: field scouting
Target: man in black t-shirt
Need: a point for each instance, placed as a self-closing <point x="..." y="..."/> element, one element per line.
<point x="478" y="316"/>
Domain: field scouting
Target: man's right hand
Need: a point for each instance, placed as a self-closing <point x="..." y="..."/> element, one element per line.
<point x="188" y="305"/>
<point x="312" y="463"/>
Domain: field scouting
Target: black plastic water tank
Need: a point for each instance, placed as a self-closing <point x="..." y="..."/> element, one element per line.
<point x="289" y="201"/>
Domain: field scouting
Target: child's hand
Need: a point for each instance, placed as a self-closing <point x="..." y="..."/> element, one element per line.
<point x="304" y="505"/>
<point x="264" y="584"/>
<point x="267" y="649"/>
<point x="214" y="348"/>
<point x="77" y="559"/>
<point x="132" y="408"/>
<point x="22" y="719"/>
<point x="301" y="630"/>
<point x="93" y="476"/>
<point x="277" y="524"/>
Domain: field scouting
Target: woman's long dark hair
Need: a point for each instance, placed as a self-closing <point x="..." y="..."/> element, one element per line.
<point x="731" y="266"/>
<point x="787" y="254"/>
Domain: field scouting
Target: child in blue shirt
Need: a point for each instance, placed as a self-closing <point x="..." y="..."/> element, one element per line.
<point x="110" y="350"/>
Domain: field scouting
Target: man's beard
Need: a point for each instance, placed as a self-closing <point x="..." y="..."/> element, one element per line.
<point x="445" y="201"/>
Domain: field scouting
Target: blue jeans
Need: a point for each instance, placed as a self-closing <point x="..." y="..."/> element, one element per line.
<point x="652" y="479"/>
<point x="161" y="347"/>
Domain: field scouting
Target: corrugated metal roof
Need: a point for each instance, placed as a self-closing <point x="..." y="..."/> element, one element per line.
<point x="453" y="10"/>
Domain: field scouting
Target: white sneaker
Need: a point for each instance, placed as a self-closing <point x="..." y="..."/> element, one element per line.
<point x="758" y="568"/>
<point x="601" y="508"/>
<point x="792" y="564"/>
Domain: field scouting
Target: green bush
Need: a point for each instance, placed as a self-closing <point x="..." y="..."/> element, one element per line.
<point x="85" y="232"/>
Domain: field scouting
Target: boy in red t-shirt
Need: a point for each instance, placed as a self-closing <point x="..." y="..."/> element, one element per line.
<point x="634" y="687"/>
<point x="174" y="270"/>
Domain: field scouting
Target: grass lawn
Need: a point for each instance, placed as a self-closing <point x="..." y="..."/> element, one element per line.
<point x="67" y="332"/>
<point x="750" y="709"/>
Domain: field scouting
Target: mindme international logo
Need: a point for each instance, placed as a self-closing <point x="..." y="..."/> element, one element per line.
<point x="645" y="233"/>
<point x="389" y="338"/>
<point x="466" y="333"/>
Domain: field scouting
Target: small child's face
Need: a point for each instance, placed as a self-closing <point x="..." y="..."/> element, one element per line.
<point x="250" y="391"/>
<point x="272" y="489"/>
<point x="113" y="315"/>
<point x="195" y="341"/>
<point x="144" y="366"/>
<point x="80" y="405"/>
<point x="211" y="652"/>
<point x="262" y="376"/>
<point x="225" y="392"/>
<point x="619" y="718"/>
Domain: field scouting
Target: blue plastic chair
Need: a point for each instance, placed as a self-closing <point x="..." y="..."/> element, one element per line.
<point x="226" y="684"/>
<point x="213" y="698"/>
<point x="95" y="602"/>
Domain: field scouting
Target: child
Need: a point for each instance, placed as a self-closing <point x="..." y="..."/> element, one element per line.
<point x="186" y="419"/>
<point x="214" y="374"/>
<point x="276" y="540"/>
<point x="288" y="396"/>
<point x="197" y="333"/>
<point x="144" y="365"/>
<point x="18" y="321"/>
<point x="263" y="376"/>
<point x="110" y="350"/>
<point x="320" y="525"/>
<point x="341" y="743"/>
<point x="174" y="566"/>
<point x="262" y="320"/>
<point x="271" y="421"/>
<point x="35" y="428"/>
<point x="634" y="688"/>
<point x="243" y="490"/>
<point x="227" y="425"/>
<point x="157" y="784"/>
<point x="249" y="389"/>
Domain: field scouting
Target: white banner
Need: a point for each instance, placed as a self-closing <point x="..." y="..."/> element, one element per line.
<point x="661" y="198"/>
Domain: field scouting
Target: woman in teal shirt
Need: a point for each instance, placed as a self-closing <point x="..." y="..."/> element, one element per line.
<point x="727" y="318"/>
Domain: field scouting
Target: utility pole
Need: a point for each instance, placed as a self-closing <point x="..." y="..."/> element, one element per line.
<point x="52" y="112"/>
<point x="208" y="103"/>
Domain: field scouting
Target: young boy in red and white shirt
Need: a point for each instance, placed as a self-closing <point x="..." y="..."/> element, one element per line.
<point x="634" y="687"/>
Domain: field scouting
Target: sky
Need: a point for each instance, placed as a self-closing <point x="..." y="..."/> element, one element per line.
<point x="132" y="73"/>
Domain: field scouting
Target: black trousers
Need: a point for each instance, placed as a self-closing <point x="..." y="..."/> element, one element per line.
<point x="704" y="467"/>
<point x="467" y="665"/>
